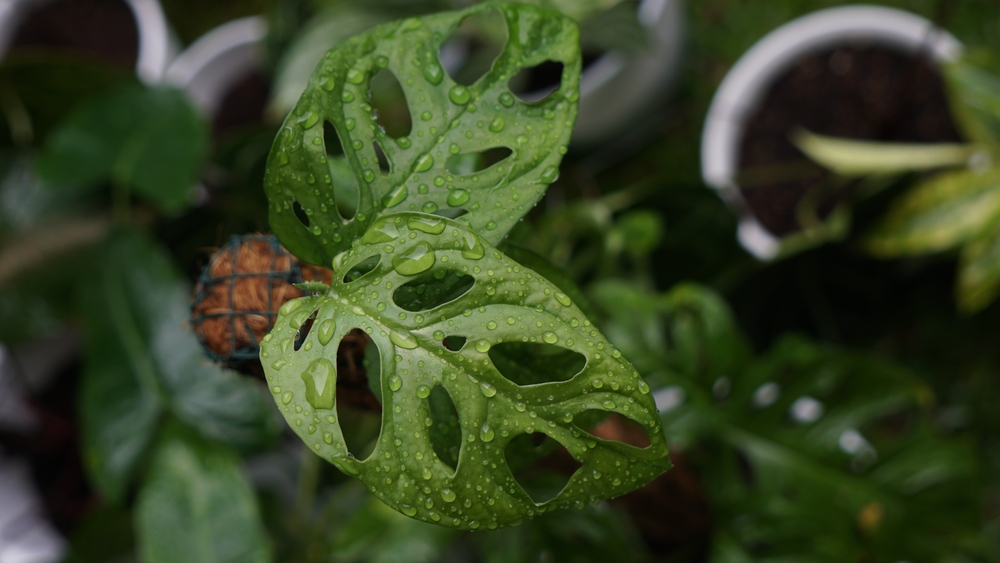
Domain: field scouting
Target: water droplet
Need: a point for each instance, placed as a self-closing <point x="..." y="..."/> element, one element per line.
<point x="643" y="387"/>
<point x="491" y="225"/>
<point x="459" y="94"/>
<point x="349" y="123"/>
<point x="403" y="339"/>
<point x="609" y="404"/>
<point x="308" y="119"/>
<point x="319" y="378"/>
<point x="408" y="510"/>
<point x="519" y="406"/>
<point x="438" y="335"/>
<point x="289" y="307"/>
<point x="491" y="325"/>
<point x="472" y="249"/>
<point x="403" y="142"/>
<point x="395" y="383"/>
<point x="563" y="299"/>
<point x="396" y="197"/>
<point x="483" y="346"/>
<point x="426" y="116"/>
<point x="549" y="175"/>
<point x="428" y="225"/>
<point x="497" y="124"/>
<point x="550" y="337"/>
<point x="597" y="383"/>
<point x="381" y="61"/>
<point x="616" y="354"/>
<point x="433" y="73"/>
<point x="448" y="495"/>
<point x="424" y="163"/>
<point x="326" y="330"/>
<point x="506" y="99"/>
<point x="369" y="176"/>
<point x="328" y="437"/>
<point x="347" y="96"/>
<point x="355" y="76"/>
<point x="385" y="231"/>
<point x="327" y="83"/>
<point x="429" y="207"/>
<point x="286" y="398"/>
<point x="423" y="391"/>
<point x="487" y="389"/>
<point x="418" y="258"/>
<point x="486" y="433"/>
<point x="457" y="197"/>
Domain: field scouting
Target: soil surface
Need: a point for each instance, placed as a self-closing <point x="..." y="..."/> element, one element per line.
<point x="102" y="29"/>
<point x="857" y="92"/>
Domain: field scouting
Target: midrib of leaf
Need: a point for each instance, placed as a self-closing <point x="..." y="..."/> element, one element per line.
<point x="127" y="331"/>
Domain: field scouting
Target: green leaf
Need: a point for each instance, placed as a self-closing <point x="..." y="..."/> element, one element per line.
<point x="939" y="213"/>
<point x="448" y="119"/>
<point x="979" y="272"/>
<point x="142" y="360"/>
<point x="975" y="101"/>
<point x="197" y="506"/>
<point x="849" y="157"/>
<point x="150" y="139"/>
<point x="506" y="303"/>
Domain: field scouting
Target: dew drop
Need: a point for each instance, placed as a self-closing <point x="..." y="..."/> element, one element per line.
<point x="419" y="258"/>
<point x="459" y="94"/>
<point x="506" y="99"/>
<point x="550" y="337"/>
<point x="486" y="433"/>
<point x="428" y="225"/>
<point x="396" y="197"/>
<point x="395" y="383"/>
<point x="563" y="299"/>
<point x="403" y="339"/>
<point x="549" y="175"/>
<point x="433" y="73"/>
<point x="408" y="510"/>
<point x="423" y="391"/>
<point x="487" y="389"/>
<point x="355" y="76"/>
<point x="286" y="398"/>
<point x="472" y="249"/>
<point x="448" y="495"/>
<point x="457" y="197"/>
<point x="497" y="124"/>
<point x="483" y="346"/>
<point x="424" y="163"/>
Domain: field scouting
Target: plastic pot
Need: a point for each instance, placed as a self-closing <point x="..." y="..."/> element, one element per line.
<point x="155" y="49"/>
<point x="750" y="79"/>
<point x="218" y="60"/>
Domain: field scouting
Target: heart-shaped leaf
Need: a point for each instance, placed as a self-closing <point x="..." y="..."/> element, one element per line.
<point x="506" y="304"/>
<point x="448" y="119"/>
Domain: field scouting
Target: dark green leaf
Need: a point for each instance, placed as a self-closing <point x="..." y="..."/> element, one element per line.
<point x="150" y="139"/>
<point x="142" y="360"/>
<point x="507" y="303"/>
<point x="448" y="119"/>
<point x="197" y="506"/>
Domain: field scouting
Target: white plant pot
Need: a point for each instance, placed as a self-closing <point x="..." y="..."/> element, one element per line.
<point x="218" y="60"/>
<point x="620" y="87"/>
<point x="750" y="79"/>
<point x="156" y="45"/>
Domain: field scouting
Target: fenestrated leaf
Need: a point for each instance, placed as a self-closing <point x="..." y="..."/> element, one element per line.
<point x="850" y="157"/>
<point x="197" y="506"/>
<point x="448" y="119"/>
<point x="939" y="213"/>
<point x="979" y="272"/>
<point x="151" y="139"/>
<point x="142" y="360"/>
<point x="507" y="303"/>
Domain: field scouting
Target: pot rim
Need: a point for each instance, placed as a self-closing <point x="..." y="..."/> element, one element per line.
<point x="747" y="82"/>
<point x="215" y="60"/>
<point x="155" y="48"/>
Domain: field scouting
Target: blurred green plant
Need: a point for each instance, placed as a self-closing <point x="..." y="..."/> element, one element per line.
<point x="953" y="209"/>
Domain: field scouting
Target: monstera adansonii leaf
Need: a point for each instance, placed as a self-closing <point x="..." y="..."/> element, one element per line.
<point x="448" y="120"/>
<point x="507" y="303"/>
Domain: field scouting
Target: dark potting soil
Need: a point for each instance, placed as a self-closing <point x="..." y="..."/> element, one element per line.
<point x="102" y="29"/>
<point x="243" y="104"/>
<point x="856" y="92"/>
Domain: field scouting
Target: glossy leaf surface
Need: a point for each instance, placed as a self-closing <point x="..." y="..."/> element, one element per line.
<point x="448" y="119"/>
<point x="198" y="506"/>
<point x="507" y="303"/>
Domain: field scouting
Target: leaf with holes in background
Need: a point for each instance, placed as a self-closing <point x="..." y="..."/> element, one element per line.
<point x="448" y="120"/>
<point x="452" y="346"/>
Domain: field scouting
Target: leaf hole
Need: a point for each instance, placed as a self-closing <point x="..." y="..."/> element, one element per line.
<point x="303" y="332"/>
<point x="432" y="290"/>
<point x="383" y="161"/>
<point x="472" y="162"/>
<point x="541" y="465"/>
<point x="471" y="50"/>
<point x="527" y="363"/>
<point x="535" y="84"/>
<point x="445" y="431"/>
<point x="362" y="268"/>
<point x="454" y="343"/>
<point x="613" y="426"/>
<point x="392" y="112"/>
<point x="300" y="214"/>
<point x="331" y="140"/>
<point x="359" y="412"/>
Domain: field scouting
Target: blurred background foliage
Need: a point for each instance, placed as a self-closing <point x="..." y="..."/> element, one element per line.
<point x="830" y="406"/>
